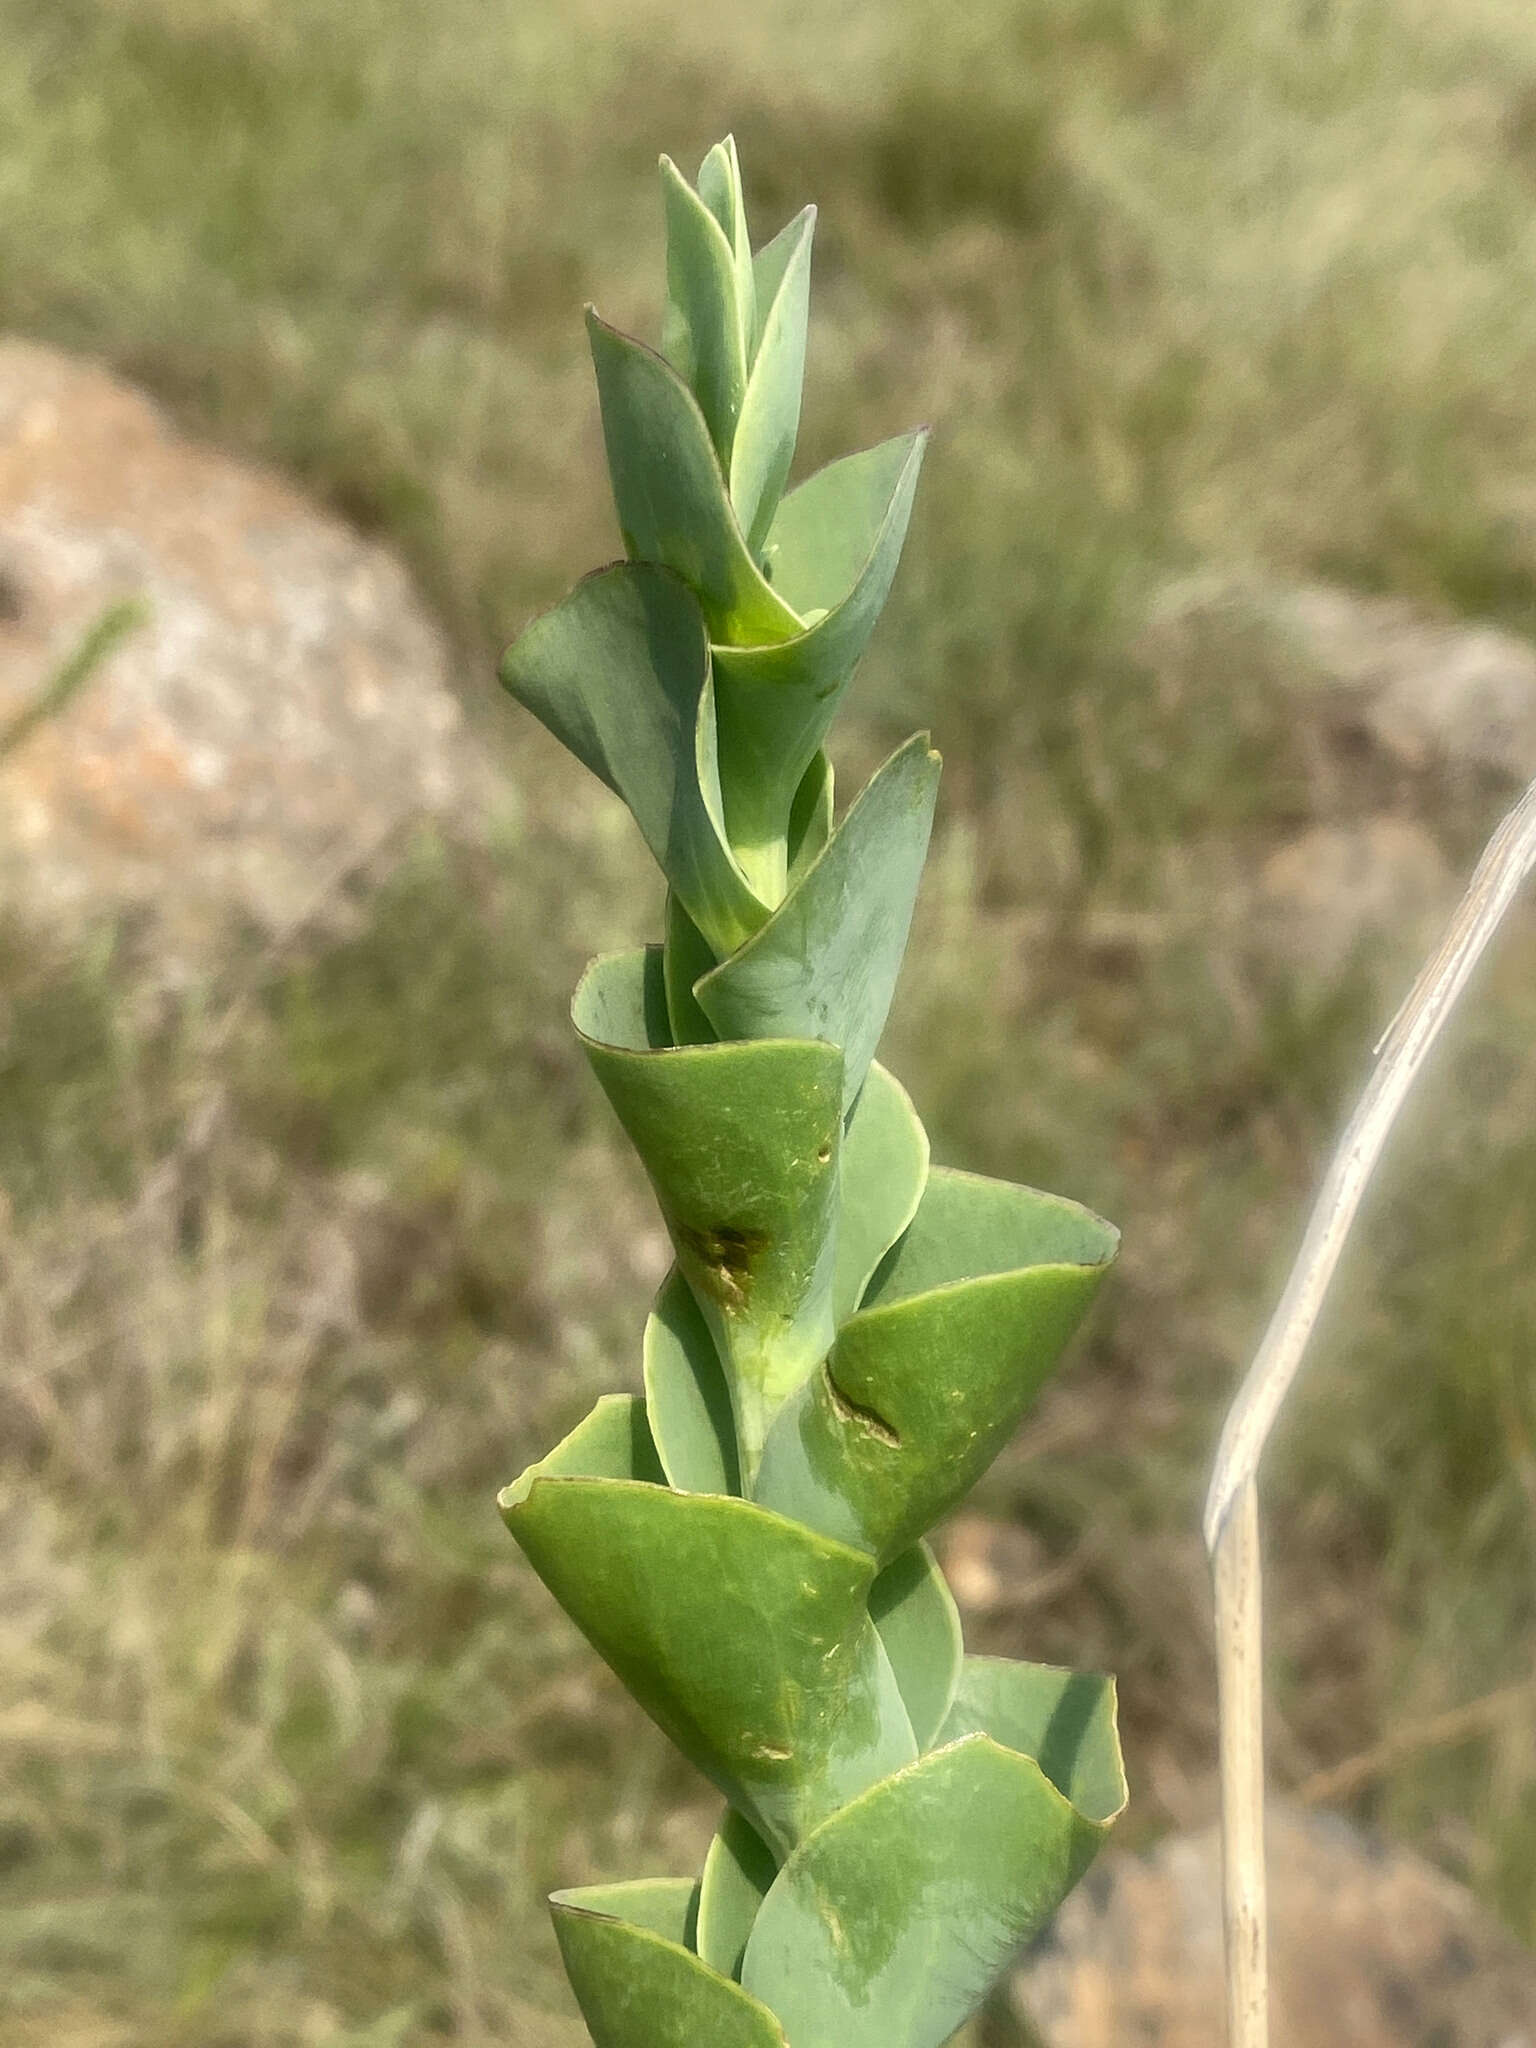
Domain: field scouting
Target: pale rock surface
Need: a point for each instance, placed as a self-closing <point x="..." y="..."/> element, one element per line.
<point x="1460" y="693"/>
<point x="1424" y="691"/>
<point x="1370" y="1948"/>
<point x="1417" y="732"/>
<point x="284" y="711"/>
<point x="1325" y="896"/>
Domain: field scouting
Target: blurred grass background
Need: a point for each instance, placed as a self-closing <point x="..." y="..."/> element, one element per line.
<point x="296" y="1276"/>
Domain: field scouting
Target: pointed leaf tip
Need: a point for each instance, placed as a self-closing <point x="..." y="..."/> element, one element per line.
<point x="825" y="965"/>
<point x="619" y="672"/>
<point x="669" y="490"/>
<point x="638" y="1989"/>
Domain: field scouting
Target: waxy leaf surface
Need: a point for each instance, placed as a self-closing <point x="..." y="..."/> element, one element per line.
<point x="706" y="340"/>
<point x="619" y="673"/>
<point x="669" y="492"/>
<point x="969" y="1227"/>
<point x="741" y="1143"/>
<point x="836" y="540"/>
<point x="720" y="188"/>
<point x="825" y="964"/>
<point x="1065" y="1720"/>
<point x="745" y="1637"/>
<point x="686" y="955"/>
<point x="687" y="1398"/>
<point x="613" y="1442"/>
<point x="768" y="268"/>
<point x="890" y="1922"/>
<point x="810" y="816"/>
<point x="769" y="417"/>
<point x="638" y="1989"/>
<point x="922" y="1390"/>
<point x="667" y="1906"/>
<point x="884" y="1170"/>
<point x="912" y="1607"/>
<point x="738" y="1874"/>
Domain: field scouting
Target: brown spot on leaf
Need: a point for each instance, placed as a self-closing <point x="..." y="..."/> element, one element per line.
<point x="728" y="1257"/>
<point x="859" y="1417"/>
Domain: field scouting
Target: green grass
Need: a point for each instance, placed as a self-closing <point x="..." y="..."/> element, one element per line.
<point x="298" y="1269"/>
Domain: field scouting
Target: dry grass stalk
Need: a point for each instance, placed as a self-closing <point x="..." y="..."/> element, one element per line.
<point x="1231" y="1512"/>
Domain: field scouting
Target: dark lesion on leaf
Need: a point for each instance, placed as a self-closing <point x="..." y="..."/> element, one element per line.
<point x="729" y="1258"/>
<point x="859" y="1417"/>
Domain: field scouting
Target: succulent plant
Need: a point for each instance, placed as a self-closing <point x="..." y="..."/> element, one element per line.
<point x="848" y="1335"/>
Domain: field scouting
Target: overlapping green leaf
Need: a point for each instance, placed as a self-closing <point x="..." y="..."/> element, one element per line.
<point x="926" y="1383"/>
<point x="670" y="494"/>
<point x="1064" y="1719"/>
<point x="612" y="1442"/>
<point x="884" y="1165"/>
<point x="744" y="1636"/>
<point x="825" y="964"/>
<point x="810" y="816"/>
<point x="706" y="339"/>
<point x="620" y="673"/>
<point x="741" y="1144"/>
<point x="847" y="1338"/>
<point x="769" y="416"/>
<point x="969" y="1227"/>
<point x="832" y="554"/>
<point x="720" y="188"/>
<point x="884" y="1171"/>
<point x="667" y="1906"/>
<point x="911" y="1605"/>
<point x="638" y="1988"/>
<point x="686" y="956"/>
<point x="889" y="1923"/>
<point x="687" y="1398"/>
<point x="738" y="1874"/>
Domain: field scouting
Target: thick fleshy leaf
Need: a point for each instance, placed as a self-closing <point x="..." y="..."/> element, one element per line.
<point x="970" y="1227"/>
<point x="619" y="672"/>
<point x="686" y="955"/>
<point x="825" y="964"/>
<point x="670" y="493"/>
<point x="837" y="538"/>
<point x="706" y="341"/>
<point x="890" y="1922"/>
<point x="769" y="416"/>
<point x="687" y="1400"/>
<point x="810" y="817"/>
<point x="834" y="525"/>
<point x="1065" y="1720"/>
<point x="667" y="1906"/>
<point x="884" y="1170"/>
<point x="738" y="1874"/>
<point x="637" y="1989"/>
<point x="744" y="1636"/>
<point x="912" y="1607"/>
<point x="768" y="268"/>
<point x="741" y="1143"/>
<point x="613" y="1442"/>
<point x="720" y="188"/>
<point x="922" y="1389"/>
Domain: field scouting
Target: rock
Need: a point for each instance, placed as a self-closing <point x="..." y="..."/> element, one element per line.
<point x="1335" y="889"/>
<point x="1423" y="691"/>
<point x="1370" y="1948"/>
<point x="1464" y="694"/>
<point x="282" y="713"/>
<point x="1407" y="736"/>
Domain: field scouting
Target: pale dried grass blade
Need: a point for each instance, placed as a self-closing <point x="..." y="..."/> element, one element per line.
<point x="1231" y="1510"/>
